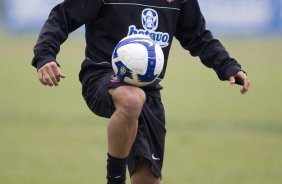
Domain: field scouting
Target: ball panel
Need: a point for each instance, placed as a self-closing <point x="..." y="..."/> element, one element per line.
<point x="137" y="60"/>
<point x="133" y="56"/>
<point x="159" y="60"/>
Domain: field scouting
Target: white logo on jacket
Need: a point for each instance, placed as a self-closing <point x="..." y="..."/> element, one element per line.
<point x="150" y="19"/>
<point x="150" y="22"/>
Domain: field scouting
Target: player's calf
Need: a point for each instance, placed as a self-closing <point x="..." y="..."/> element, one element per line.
<point x="143" y="173"/>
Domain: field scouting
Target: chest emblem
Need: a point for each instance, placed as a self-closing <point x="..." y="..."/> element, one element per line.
<point x="150" y="23"/>
<point x="150" y="19"/>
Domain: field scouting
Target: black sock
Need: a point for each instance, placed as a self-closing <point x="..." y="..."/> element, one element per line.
<point x="116" y="170"/>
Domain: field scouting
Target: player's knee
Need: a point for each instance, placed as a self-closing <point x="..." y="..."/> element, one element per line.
<point x="132" y="101"/>
<point x="129" y="100"/>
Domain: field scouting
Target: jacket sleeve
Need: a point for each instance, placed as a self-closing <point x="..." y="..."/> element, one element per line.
<point x="193" y="36"/>
<point x="63" y="19"/>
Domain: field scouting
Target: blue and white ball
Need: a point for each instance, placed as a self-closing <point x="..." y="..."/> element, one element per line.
<point x="137" y="60"/>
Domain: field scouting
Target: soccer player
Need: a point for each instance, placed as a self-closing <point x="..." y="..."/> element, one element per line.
<point x="136" y="129"/>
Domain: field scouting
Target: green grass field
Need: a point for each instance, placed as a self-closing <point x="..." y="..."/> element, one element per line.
<point x="215" y="134"/>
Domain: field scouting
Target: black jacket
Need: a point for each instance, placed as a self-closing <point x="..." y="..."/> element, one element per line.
<point x="108" y="21"/>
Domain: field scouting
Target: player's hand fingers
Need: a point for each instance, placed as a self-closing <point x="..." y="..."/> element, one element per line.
<point x="40" y="77"/>
<point x="242" y="77"/>
<point x="43" y="75"/>
<point x="51" y="73"/>
<point x="57" y="72"/>
<point x="246" y="85"/>
<point x="47" y="78"/>
<point x="232" y="80"/>
<point x="61" y="74"/>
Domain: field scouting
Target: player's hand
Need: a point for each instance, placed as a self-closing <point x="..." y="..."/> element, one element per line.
<point x="241" y="78"/>
<point x="50" y="74"/>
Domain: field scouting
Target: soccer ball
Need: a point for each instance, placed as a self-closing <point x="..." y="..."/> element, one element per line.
<point x="137" y="60"/>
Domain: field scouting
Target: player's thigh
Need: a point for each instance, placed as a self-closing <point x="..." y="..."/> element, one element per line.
<point x="96" y="95"/>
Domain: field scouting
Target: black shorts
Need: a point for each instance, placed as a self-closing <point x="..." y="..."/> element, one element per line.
<point x="149" y="143"/>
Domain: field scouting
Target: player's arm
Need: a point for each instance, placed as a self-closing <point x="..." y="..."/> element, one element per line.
<point x="55" y="31"/>
<point x="63" y="19"/>
<point x="193" y="36"/>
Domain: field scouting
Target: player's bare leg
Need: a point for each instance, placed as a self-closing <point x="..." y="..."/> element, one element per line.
<point x="122" y="129"/>
<point x="143" y="174"/>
